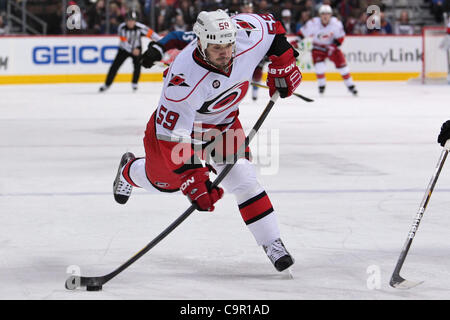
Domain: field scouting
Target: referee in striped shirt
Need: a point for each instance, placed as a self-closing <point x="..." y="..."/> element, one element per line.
<point x="130" y="33"/>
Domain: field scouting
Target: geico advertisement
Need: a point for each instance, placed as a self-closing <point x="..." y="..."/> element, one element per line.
<point x="93" y="55"/>
<point x="59" y="55"/>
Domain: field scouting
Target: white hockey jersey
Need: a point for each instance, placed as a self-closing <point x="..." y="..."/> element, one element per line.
<point x="323" y="35"/>
<point x="197" y="97"/>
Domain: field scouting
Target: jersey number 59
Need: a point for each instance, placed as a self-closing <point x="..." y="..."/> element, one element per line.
<point x="167" y="119"/>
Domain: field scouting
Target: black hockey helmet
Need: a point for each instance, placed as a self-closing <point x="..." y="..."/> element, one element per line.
<point x="131" y="15"/>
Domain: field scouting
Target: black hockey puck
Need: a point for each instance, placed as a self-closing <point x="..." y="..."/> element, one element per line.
<point x="93" y="288"/>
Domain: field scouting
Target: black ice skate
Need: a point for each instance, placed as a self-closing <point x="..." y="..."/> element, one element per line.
<point x="353" y="90"/>
<point x="278" y="254"/>
<point x="134" y="86"/>
<point x="321" y="89"/>
<point x="103" y="88"/>
<point x="121" y="188"/>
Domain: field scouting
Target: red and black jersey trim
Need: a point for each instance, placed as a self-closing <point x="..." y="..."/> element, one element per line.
<point x="202" y="63"/>
<point x="338" y="41"/>
<point x="256" y="208"/>
<point x="300" y="35"/>
<point x="193" y="163"/>
<point x="279" y="46"/>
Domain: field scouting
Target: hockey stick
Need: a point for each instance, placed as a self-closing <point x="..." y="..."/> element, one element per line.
<point x="295" y="94"/>
<point x="96" y="283"/>
<point x="396" y="280"/>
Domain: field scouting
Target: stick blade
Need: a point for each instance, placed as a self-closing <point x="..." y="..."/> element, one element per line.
<point x="400" y="283"/>
<point x="303" y="97"/>
<point x="76" y="282"/>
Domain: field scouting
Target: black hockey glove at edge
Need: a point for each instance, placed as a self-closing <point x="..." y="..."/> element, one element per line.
<point x="151" y="55"/>
<point x="444" y="135"/>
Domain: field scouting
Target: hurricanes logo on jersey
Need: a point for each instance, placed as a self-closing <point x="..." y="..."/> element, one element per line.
<point x="325" y="36"/>
<point x="178" y="80"/>
<point x="245" y="25"/>
<point x="225" y="100"/>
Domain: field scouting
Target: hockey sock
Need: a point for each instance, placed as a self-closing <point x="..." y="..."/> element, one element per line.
<point x="254" y="204"/>
<point x="258" y="214"/>
<point x="320" y="69"/>
<point x="345" y="73"/>
<point x="134" y="173"/>
<point x="321" y="80"/>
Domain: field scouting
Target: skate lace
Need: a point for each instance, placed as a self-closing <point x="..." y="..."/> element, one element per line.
<point x="276" y="250"/>
<point x="123" y="188"/>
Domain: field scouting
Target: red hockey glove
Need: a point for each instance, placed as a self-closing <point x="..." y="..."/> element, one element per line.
<point x="283" y="74"/>
<point x="197" y="186"/>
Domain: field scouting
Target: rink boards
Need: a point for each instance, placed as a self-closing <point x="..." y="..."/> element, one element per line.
<point x="60" y="59"/>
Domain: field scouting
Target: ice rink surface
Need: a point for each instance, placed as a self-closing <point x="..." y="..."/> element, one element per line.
<point x="346" y="176"/>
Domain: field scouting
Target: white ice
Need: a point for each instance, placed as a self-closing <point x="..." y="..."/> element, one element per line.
<point x="352" y="173"/>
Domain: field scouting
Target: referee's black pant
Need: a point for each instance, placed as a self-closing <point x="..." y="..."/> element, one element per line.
<point x="121" y="56"/>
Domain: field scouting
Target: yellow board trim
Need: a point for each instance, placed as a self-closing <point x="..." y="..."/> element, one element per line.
<point x="74" y="78"/>
<point x="434" y="75"/>
<point x="147" y="77"/>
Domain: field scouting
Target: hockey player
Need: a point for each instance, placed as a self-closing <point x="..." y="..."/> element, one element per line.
<point x="328" y="34"/>
<point x="198" y="108"/>
<point x="448" y="28"/>
<point x="130" y="33"/>
<point x="447" y="37"/>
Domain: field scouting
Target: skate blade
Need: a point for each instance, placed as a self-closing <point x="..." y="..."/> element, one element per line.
<point x="288" y="274"/>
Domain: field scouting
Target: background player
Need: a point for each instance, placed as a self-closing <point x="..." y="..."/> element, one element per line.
<point x="448" y="47"/>
<point x="445" y="45"/>
<point x="130" y="33"/>
<point x="197" y="110"/>
<point x="328" y="34"/>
